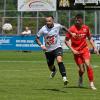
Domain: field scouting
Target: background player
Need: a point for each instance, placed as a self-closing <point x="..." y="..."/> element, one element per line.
<point x="80" y="49"/>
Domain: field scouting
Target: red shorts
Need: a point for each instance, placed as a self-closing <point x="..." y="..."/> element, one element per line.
<point x="80" y="58"/>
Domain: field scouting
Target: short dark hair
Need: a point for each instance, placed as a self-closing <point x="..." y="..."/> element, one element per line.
<point x="79" y="16"/>
<point x="50" y="16"/>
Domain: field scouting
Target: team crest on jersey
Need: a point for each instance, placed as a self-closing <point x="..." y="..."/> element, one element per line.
<point x="84" y="30"/>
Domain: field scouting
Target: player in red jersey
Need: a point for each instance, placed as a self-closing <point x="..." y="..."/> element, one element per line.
<point x="80" y="49"/>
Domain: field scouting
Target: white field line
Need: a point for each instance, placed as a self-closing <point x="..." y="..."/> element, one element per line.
<point x="95" y="66"/>
<point x="39" y="62"/>
<point x="21" y="61"/>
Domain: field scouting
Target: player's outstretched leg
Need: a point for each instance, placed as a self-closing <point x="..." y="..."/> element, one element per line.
<point x="81" y="72"/>
<point x="53" y="71"/>
<point x="63" y="72"/>
<point x="91" y="77"/>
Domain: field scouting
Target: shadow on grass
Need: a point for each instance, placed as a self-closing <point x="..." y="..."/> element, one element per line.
<point x="54" y="90"/>
<point x="76" y="87"/>
<point x="61" y="90"/>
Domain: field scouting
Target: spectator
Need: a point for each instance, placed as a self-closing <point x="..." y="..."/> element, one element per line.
<point x="26" y="32"/>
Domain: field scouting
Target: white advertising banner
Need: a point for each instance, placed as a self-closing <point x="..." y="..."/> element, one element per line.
<point x="36" y="5"/>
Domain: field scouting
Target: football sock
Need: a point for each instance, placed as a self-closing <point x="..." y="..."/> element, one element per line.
<point x="53" y="68"/>
<point x="65" y="79"/>
<point x="62" y="69"/>
<point x="90" y="74"/>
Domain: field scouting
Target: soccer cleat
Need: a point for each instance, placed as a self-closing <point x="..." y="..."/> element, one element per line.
<point x="52" y="74"/>
<point x="80" y="85"/>
<point x="80" y="82"/>
<point x="65" y="81"/>
<point x="92" y="86"/>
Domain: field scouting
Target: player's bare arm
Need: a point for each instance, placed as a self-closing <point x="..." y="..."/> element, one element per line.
<point x="67" y="30"/>
<point x="67" y="42"/>
<point x="40" y="44"/>
<point x="93" y="45"/>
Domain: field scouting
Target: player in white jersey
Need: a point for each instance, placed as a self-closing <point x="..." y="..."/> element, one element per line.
<point x="51" y="36"/>
<point x="52" y="47"/>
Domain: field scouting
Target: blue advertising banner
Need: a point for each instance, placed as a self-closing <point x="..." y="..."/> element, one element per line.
<point x="19" y="43"/>
<point x="96" y="39"/>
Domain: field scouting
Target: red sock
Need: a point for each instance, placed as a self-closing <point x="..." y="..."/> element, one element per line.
<point x="90" y="74"/>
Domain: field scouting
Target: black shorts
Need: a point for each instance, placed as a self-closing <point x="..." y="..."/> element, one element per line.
<point x="50" y="56"/>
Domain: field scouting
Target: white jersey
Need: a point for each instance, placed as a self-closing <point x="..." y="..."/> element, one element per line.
<point x="51" y="36"/>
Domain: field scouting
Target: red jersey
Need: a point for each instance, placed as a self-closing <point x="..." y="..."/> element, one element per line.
<point x="79" y="41"/>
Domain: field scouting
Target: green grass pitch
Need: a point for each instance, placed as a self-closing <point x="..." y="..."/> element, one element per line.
<point x="25" y="76"/>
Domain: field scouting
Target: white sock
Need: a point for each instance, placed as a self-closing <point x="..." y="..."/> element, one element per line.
<point x="64" y="78"/>
<point x="91" y="84"/>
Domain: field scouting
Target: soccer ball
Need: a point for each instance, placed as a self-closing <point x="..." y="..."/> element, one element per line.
<point x="7" y="27"/>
